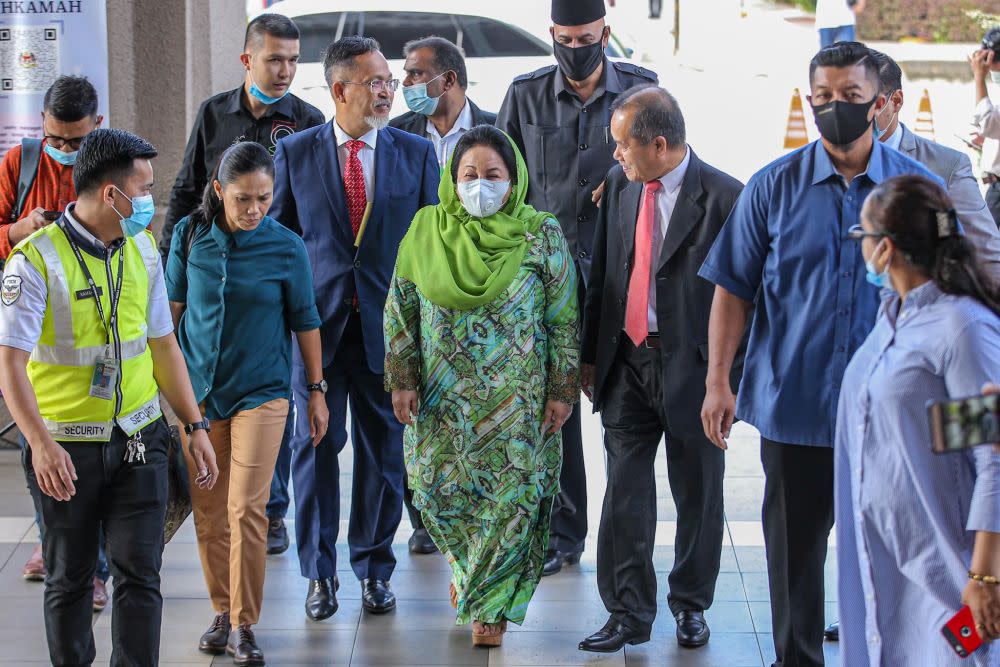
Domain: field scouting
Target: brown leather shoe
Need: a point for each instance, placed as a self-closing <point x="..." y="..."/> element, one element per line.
<point x="34" y="569"/>
<point x="100" y="594"/>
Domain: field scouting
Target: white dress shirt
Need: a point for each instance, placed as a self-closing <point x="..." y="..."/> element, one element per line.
<point x="366" y="155"/>
<point x="445" y="146"/>
<point x="833" y="14"/>
<point x="987" y="119"/>
<point x="666" y="199"/>
<point x="895" y="139"/>
<point x="21" y="319"/>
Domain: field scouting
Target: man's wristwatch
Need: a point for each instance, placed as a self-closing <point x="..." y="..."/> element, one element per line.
<point x="320" y="386"/>
<point x="202" y="425"/>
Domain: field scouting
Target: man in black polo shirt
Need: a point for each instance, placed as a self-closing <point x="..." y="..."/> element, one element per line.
<point x="260" y="110"/>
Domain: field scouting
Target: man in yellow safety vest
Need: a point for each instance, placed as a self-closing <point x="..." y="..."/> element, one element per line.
<point x="86" y="345"/>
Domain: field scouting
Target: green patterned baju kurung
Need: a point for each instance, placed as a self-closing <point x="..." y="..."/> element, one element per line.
<point x="482" y="473"/>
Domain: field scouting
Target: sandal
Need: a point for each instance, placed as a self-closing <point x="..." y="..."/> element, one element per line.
<point x="488" y="640"/>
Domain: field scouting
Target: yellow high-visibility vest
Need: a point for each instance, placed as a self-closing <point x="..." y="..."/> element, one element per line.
<point x="73" y="338"/>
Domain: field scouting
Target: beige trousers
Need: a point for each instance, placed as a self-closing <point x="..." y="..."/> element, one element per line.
<point x="229" y="519"/>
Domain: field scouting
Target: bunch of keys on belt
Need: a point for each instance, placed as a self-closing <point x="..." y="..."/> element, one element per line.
<point x="135" y="450"/>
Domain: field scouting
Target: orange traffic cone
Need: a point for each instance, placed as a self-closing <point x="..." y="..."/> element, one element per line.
<point x="796" y="135"/>
<point x="925" y="118"/>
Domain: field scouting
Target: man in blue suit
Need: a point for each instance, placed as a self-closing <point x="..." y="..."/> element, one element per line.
<point x="350" y="188"/>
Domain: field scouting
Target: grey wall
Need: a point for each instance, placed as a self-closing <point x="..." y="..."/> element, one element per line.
<point x="165" y="57"/>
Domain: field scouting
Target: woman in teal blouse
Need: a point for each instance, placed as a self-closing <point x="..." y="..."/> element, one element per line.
<point x="239" y="283"/>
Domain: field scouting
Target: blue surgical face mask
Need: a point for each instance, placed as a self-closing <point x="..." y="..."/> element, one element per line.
<point x="873" y="275"/>
<point x="417" y="99"/>
<point x="483" y="198"/>
<point x="142" y="214"/>
<point x="878" y="132"/>
<point x="65" y="159"/>
<point x="259" y="94"/>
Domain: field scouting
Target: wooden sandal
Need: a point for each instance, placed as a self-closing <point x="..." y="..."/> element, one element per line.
<point x="491" y="640"/>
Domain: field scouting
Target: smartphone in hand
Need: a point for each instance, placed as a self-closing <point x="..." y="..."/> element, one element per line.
<point x="961" y="633"/>
<point x="51" y="216"/>
<point x="966" y="422"/>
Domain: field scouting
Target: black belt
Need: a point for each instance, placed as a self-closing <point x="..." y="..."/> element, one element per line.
<point x="652" y="341"/>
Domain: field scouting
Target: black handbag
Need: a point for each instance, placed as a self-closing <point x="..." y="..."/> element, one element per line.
<point x="179" y="493"/>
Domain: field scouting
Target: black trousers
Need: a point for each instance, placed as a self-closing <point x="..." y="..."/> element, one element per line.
<point x="797" y="517"/>
<point x="635" y="420"/>
<point x="993" y="201"/>
<point x="130" y="501"/>
<point x="655" y="7"/>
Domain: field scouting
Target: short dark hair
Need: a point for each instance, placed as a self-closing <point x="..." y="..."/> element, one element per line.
<point x="70" y="98"/>
<point x="485" y="135"/>
<point x="845" y="54"/>
<point x="275" y="25"/>
<point x="447" y="56"/>
<point x="108" y="154"/>
<point x="890" y="76"/>
<point x="657" y="114"/>
<point x="343" y="52"/>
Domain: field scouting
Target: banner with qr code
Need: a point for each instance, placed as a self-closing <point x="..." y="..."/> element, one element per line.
<point x="39" y="41"/>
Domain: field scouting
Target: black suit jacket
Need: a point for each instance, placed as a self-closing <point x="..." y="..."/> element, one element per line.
<point x="416" y="123"/>
<point x="683" y="299"/>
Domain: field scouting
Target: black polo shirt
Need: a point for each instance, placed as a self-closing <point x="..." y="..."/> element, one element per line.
<point x="567" y="144"/>
<point x="222" y="121"/>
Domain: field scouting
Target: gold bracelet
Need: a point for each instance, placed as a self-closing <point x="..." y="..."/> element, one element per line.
<point x="984" y="578"/>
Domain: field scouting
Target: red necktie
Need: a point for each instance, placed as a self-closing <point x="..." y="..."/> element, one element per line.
<point x="357" y="200"/>
<point x="354" y="186"/>
<point x="637" y="310"/>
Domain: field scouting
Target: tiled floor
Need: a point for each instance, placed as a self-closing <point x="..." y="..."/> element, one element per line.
<point x="421" y="631"/>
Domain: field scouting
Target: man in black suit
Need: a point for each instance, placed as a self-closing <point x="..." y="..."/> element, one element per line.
<point x="644" y="356"/>
<point x="434" y="90"/>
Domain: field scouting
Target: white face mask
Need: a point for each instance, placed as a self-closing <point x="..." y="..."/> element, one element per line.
<point x="995" y="76"/>
<point x="483" y="198"/>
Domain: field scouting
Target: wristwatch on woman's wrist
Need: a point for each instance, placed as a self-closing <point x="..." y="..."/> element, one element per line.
<point x="317" y="386"/>
<point x="202" y="425"/>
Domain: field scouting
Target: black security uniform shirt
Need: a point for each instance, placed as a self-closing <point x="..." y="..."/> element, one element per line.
<point x="222" y="121"/>
<point x="567" y="144"/>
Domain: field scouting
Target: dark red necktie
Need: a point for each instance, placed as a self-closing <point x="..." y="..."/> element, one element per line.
<point x="357" y="199"/>
<point x="354" y="185"/>
<point x="637" y="310"/>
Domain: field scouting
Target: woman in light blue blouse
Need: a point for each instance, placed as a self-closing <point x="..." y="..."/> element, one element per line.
<point x="912" y="525"/>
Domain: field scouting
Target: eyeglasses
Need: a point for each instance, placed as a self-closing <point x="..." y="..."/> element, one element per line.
<point x="60" y="142"/>
<point x="377" y="85"/>
<point x="857" y="233"/>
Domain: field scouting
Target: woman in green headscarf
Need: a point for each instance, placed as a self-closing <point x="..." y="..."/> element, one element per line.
<point x="482" y="359"/>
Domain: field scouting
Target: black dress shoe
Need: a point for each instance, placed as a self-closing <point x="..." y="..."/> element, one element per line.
<point x="692" y="630"/>
<point x="321" y="601"/>
<point x="277" y="536"/>
<point x="554" y="560"/>
<point x="421" y="542"/>
<point x="377" y="597"/>
<point x="217" y="636"/>
<point x="613" y="637"/>
<point x="832" y="632"/>
<point x="243" y="647"/>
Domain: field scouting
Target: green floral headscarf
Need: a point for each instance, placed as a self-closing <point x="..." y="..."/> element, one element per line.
<point x="461" y="262"/>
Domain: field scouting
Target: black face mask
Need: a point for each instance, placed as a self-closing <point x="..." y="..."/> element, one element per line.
<point x="842" y="123"/>
<point x="580" y="62"/>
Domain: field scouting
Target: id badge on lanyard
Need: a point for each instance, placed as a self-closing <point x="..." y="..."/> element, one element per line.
<point x="107" y="366"/>
<point x="105" y="377"/>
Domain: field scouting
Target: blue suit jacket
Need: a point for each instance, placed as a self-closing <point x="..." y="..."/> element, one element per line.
<point x="309" y="199"/>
